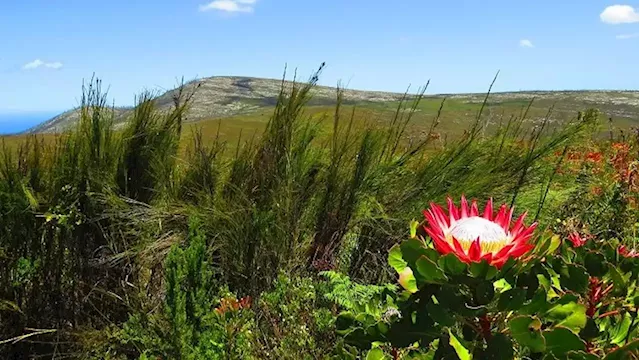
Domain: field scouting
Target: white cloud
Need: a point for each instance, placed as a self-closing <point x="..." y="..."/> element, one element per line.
<point x="626" y="36"/>
<point x="39" y="63"/>
<point x="229" y="5"/>
<point x="34" y="64"/>
<point x="526" y="43"/>
<point x="619" y="14"/>
<point x="53" y="65"/>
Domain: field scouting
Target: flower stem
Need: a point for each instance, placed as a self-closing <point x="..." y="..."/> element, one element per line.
<point x="485" y="326"/>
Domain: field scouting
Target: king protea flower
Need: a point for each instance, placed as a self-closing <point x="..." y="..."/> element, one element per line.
<point x="473" y="237"/>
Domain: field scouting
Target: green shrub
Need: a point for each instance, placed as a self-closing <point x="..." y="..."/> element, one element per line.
<point x="293" y="322"/>
<point x="190" y="326"/>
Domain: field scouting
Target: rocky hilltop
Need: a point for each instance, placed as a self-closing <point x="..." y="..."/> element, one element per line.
<point x="223" y="96"/>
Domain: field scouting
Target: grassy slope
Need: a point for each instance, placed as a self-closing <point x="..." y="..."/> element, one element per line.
<point x="455" y="117"/>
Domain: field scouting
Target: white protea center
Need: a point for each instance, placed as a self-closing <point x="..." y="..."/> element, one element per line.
<point x="466" y="231"/>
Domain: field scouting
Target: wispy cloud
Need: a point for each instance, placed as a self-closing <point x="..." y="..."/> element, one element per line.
<point x="626" y="36"/>
<point x="39" y="63"/>
<point x="53" y="65"/>
<point x="619" y="14"/>
<point x="526" y="43"/>
<point x="230" y="6"/>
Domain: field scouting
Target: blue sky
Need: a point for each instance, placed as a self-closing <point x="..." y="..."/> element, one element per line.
<point x="48" y="47"/>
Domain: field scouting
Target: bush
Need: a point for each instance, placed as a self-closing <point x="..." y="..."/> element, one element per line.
<point x="191" y="326"/>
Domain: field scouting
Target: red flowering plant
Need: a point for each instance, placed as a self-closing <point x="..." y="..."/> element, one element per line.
<point x="603" y="203"/>
<point x="484" y="284"/>
<point x="231" y="304"/>
<point x="607" y="288"/>
<point x="579" y="160"/>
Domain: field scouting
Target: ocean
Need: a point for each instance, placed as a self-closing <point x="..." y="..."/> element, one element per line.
<point x="13" y="123"/>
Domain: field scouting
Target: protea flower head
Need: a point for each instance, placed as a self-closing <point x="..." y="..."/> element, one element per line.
<point x="473" y="237"/>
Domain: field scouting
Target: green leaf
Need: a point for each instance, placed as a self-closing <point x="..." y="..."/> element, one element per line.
<point x="408" y="281"/>
<point x="412" y="249"/>
<point x="440" y="314"/>
<point x="627" y="352"/>
<point x="561" y="340"/>
<point x="529" y="281"/>
<point x="581" y="355"/>
<point x="395" y="259"/>
<point x="543" y="246"/>
<point x="383" y="328"/>
<point x="357" y="336"/>
<point x="449" y="298"/>
<point x="629" y="265"/>
<point x="512" y="299"/>
<point x="595" y="263"/>
<point x="537" y="304"/>
<point x="484" y="292"/>
<point x="413" y="228"/>
<point x="526" y="331"/>
<point x="461" y="351"/>
<point x="444" y="351"/>
<point x="574" y="277"/>
<point x="344" y="321"/>
<point x="499" y="347"/>
<point x="590" y="330"/>
<point x="508" y="269"/>
<point x="469" y="333"/>
<point x="554" y="245"/>
<point x="618" y="281"/>
<point x="409" y="330"/>
<point x="429" y="271"/>
<point x="452" y="265"/>
<point x="568" y="314"/>
<point x="375" y="354"/>
<point x="620" y="329"/>
<point x="502" y="285"/>
<point x="483" y="270"/>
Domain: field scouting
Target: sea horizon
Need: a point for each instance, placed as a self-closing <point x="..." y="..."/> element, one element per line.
<point x="18" y="122"/>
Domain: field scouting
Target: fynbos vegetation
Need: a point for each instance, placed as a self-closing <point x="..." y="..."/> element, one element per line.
<point x="302" y="243"/>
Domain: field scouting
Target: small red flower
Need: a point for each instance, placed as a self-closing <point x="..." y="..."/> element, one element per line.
<point x="473" y="237"/>
<point x="628" y="253"/>
<point x="596" y="293"/>
<point x="620" y="147"/>
<point x="577" y="240"/>
<point x="594" y="157"/>
<point x="232" y="304"/>
<point x="573" y="155"/>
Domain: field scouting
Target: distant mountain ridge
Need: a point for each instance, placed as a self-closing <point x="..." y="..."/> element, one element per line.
<point x="224" y="96"/>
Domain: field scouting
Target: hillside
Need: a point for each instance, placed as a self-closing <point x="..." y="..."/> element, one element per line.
<point x="226" y="96"/>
